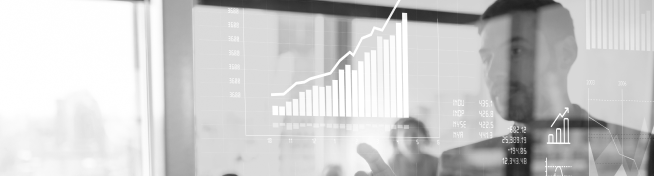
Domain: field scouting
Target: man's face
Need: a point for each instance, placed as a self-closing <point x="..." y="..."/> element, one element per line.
<point x="508" y="54"/>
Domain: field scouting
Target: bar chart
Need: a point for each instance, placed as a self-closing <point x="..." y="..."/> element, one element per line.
<point x="562" y="135"/>
<point x="619" y="25"/>
<point x="375" y="87"/>
<point x="348" y="127"/>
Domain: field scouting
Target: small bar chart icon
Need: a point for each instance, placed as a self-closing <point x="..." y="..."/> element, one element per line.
<point x="562" y="135"/>
<point x="377" y="86"/>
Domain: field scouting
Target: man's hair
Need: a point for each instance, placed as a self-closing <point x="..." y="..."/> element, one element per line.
<point x="555" y="21"/>
<point x="413" y="124"/>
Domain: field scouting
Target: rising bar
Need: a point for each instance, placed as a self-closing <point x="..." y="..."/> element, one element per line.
<point x="393" y="78"/>
<point x="638" y="34"/>
<point x="302" y="104"/>
<point x="587" y="23"/>
<point x="348" y="91"/>
<point x="362" y="86"/>
<point x="625" y="23"/>
<point x="368" y="102"/>
<point x="275" y="110"/>
<point x="593" y="24"/>
<point x="289" y="108"/>
<point x="335" y="98"/>
<point x="282" y="111"/>
<point x="405" y="65"/>
<point x="610" y="21"/>
<point x="605" y="24"/>
<point x="316" y="101"/>
<point x="309" y="100"/>
<point x="380" y="78"/>
<point x="341" y="93"/>
<point x="558" y="135"/>
<point x="373" y="82"/>
<point x="398" y="69"/>
<point x="295" y="108"/>
<point x="644" y="31"/>
<point x="632" y="25"/>
<point x="328" y="101"/>
<point x="616" y="24"/>
<point x="600" y="26"/>
<point x="387" y="95"/>
<point x="622" y="25"/>
<point x="649" y="29"/>
<point x="566" y="126"/>
<point x="355" y="93"/>
<point x="322" y="107"/>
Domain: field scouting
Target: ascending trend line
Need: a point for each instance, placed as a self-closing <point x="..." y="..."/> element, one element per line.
<point x="616" y="145"/>
<point x="560" y="115"/>
<point x="344" y="56"/>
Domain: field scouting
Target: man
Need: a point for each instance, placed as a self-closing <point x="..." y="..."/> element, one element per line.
<point x="528" y="48"/>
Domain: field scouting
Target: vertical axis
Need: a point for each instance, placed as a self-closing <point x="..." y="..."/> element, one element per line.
<point x="622" y="116"/>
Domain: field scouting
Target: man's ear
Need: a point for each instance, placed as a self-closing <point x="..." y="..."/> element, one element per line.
<point x="566" y="51"/>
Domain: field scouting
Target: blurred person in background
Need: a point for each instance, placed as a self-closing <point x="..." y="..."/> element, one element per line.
<point x="408" y="158"/>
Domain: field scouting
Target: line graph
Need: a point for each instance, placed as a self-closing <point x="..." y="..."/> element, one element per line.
<point x="614" y="144"/>
<point x="610" y="134"/>
<point x="350" y="53"/>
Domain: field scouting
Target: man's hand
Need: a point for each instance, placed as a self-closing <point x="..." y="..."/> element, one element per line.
<point x="374" y="160"/>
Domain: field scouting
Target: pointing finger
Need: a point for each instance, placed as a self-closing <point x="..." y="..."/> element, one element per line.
<point x="374" y="160"/>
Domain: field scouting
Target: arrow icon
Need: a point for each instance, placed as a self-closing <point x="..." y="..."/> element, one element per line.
<point x="560" y="115"/>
